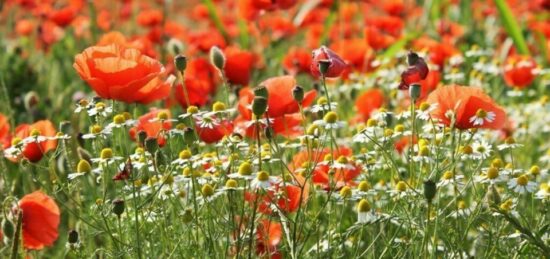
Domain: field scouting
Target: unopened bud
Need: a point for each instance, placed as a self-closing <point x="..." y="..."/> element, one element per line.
<point x="180" y="61"/>
<point x="151" y="145"/>
<point x="73" y="237"/>
<point x="414" y="91"/>
<point x="429" y="190"/>
<point x="261" y="91"/>
<point x="259" y="106"/>
<point x="298" y="93"/>
<point x="217" y="58"/>
<point x="118" y="207"/>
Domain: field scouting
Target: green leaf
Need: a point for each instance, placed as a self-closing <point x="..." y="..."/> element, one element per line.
<point x="512" y="26"/>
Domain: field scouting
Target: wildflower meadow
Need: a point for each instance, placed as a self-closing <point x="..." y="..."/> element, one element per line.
<point x="275" y="129"/>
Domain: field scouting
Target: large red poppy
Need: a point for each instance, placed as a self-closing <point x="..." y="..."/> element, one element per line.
<point x="466" y="103"/>
<point x="40" y="220"/>
<point x="122" y="74"/>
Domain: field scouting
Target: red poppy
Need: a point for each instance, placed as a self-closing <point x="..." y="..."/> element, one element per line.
<point x="34" y="151"/>
<point x="368" y="102"/>
<point x="321" y="171"/>
<point x="238" y="65"/>
<point x="24" y="27"/>
<point x="355" y="52"/>
<point x="119" y="73"/>
<point x="40" y="220"/>
<point x="200" y="82"/>
<point x="216" y="132"/>
<point x="280" y="100"/>
<point x="150" y="124"/>
<point x="5" y="136"/>
<point x="285" y="197"/>
<point x="150" y="18"/>
<point x="519" y="71"/>
<point x="415" y="73"/>
<point x="297" y="60"/>
<point x="269" y="234"/>
<point x="470" y="107"/>
<point x="336" y="65"/>
<point x="439" y="52"/>
<point x="429" y="83"/>
<point x="279" y="27"/>
<point x="63" y="16"/>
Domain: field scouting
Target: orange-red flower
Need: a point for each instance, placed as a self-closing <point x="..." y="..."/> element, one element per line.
<point x="519" y="71"/>
<point x="40" y="220"/>
<point x="216" y="133"/>
<point x="238" y="65"/>
<point x="297" y="60"/>
<point x="150" y="18"/>
<point x="269" y="235"/>
<point x="5" y="136"/>
<point x="280" y="100"/>
<point x="369" y="101"/>
<point x="150" y="124"/>
<point x="469" y="106"/>
<point x="122" y="74"/>
<point x="336" y="65"/>
<point x="63" y="16"/>
<point x="34" y="151"/>
<point x="24" y="27"/>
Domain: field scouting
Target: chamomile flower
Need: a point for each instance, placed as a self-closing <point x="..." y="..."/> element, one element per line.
<point x="323" y="105"/>
<point x="97" y="132"/>
<point x="509" y="143"/>
<point x="481" y="150"/>
<point x="424" y="110"/>
<point x="263" y="181"/>
<point x="490" y="175"/>
<point x="100" y="109"/>
<point x="481" y="116"/>
<point x="544" y="191"/>
<point x="462" y="210"/>
<point x="106" y="157"/>
<point x="364" y="212"/>
<point x="330" y="121"/>
<point x="522" y="184"/>
<point x="82" y="168"/>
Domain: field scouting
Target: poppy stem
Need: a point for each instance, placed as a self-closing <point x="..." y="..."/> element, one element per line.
<point x="326" y="91"/>
<point x="16" y="236"/>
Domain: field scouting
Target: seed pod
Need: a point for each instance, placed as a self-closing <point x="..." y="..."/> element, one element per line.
<point x="180" y="61"/>
<point x="324" y="65"/>
<point x="142" y="135"/>
<point x="298" y="93"/>
<point x="118" y="207"/>
<point x="414" y="91"/>
<point x="259" y="106"/>
<point x="151" y="145"/>
<point x="261" y="91"/>
<point x="73" y="237"/>
<point x="429" y="190"/>
<point x="7" y="228"/>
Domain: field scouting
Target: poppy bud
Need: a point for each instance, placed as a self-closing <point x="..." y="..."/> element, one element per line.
<point x="151" y="145"/>
<point x="261" y="91"/>
<point x="73" y="237"/>
<point x="412" y="58"/>
<point x="327" y="63"/>
<point x="118" y="207"/>
<point x="298" y="93"/>
<point x="414" y="91"/>
<point x="30" y="100"/>
<point x="141" y="136"/>
<point x="181" y="62"/>
<point x="7" y="228"/>
<point x="259" y="106"/>
<point x="217" y="58"/>
<point x="429" y="190"/>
